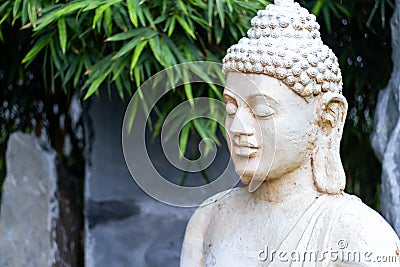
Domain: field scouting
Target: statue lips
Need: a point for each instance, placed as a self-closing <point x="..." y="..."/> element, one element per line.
<point x="245" y="149"/>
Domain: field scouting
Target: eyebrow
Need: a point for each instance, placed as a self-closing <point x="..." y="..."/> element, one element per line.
<point x="267" y="97"/>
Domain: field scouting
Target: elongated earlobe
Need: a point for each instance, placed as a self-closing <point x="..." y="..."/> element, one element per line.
<point x="328" y="172"/>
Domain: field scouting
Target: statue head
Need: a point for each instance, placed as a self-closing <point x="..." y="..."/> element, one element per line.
<point x="283" y="83"/>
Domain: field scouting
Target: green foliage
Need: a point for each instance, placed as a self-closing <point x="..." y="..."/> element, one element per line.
<point x="116" y="42"/>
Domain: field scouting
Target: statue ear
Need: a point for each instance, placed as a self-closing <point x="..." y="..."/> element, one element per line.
<point x="328" y="171"/>
<point x="333" y="113"/>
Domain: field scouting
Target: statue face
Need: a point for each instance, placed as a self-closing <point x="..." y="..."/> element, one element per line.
<point x="270" y="129"/>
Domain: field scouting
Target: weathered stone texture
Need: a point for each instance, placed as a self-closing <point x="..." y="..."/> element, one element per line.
<point x="386" y="136"/>
<point x="29" y="208"/>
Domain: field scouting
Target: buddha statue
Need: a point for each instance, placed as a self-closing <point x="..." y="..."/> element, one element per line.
<point x="285" y="117"/>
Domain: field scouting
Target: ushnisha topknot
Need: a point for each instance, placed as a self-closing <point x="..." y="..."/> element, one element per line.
<point x="284" y="42"/>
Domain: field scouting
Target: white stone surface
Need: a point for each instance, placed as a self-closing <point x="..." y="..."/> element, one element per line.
<point x="29" y="209"/>
<point x="298" y="204"/>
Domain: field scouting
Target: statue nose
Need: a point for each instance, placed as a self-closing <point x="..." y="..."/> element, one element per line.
<point x="241" y="124"/>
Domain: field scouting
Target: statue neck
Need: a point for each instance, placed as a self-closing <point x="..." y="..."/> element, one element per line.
<point x="299" y="183"/>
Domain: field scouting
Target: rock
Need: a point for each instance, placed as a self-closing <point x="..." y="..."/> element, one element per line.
<point x="386" y="136"/>
<point x="29" y="209"/>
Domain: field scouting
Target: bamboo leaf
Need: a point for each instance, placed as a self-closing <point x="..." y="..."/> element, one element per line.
<point x="138" y="50"/>
<point x="334" y="10"/>
<point x="160" y="19"/>
<point x="118" y="84"/>
<point x="230" y="7"/>
<point x="119" y="19"/>
<point x="71" y="70"/>
<point x="4" y="17"/>
<point x="97" y="16"/>
<point x="317" y="7"/>
<point x="101" y="9"/>
<point x="201" y="130"/>
<point x="127" y="47"/>
<point x="141" y="16"/>
<point x="63" y="10"/>
<point x="343" y="10"/>
<point x="204" y="134"/>
<point x="133" y="5"/>
<point x="132" y="113"/>
<point x="95" y="85"/>
<point x="183" y="139"/>
<point x="210" y="18"/>
<point x="372" y="14"/>
<point x="182" y="6"/>
<point x="62" y="33"/>
<point x="38" y="46"/>
<point x="16" y="6"/>
<point x="221" y="13"/>
<point x="219" y="32"/>
<point x="55" y="59"/>
<point x="173" y="126"/>
<point x="127" y="83"/>
<point x="136" y="75"/>
<point x="5" y="6"/>
<point x="171" y="27"/>
<point x="187" y="87"/>
<point x="156" y="49"/>
<point x="108" y="25"/>
<point x="46" y="21"/>
<point x="327" y="18"/>
<point x="78" y="73"/>
<point x="119" y="66"/>
<point x="24" y="12"/>
<point x="186" y="26"/>
<point x="149" y="18"/>
<point x="143" y="32"/>
<point x="120" y="88"/>
<point x="32" y="12"/>
<point x="145" y="106"/>
<point x="124" y="35"/>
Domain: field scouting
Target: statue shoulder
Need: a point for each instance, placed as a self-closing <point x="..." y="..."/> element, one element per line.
<point x="215" y="202"/>
<point x="362" y="229"/>
<point x="200" y="219"/>
<point x="192" y="248"/>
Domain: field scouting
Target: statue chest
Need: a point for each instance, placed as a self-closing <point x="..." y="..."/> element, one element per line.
<point x="239" y="239"/>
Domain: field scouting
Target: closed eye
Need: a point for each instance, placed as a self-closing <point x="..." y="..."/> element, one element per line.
<point x="263" y="111"/>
